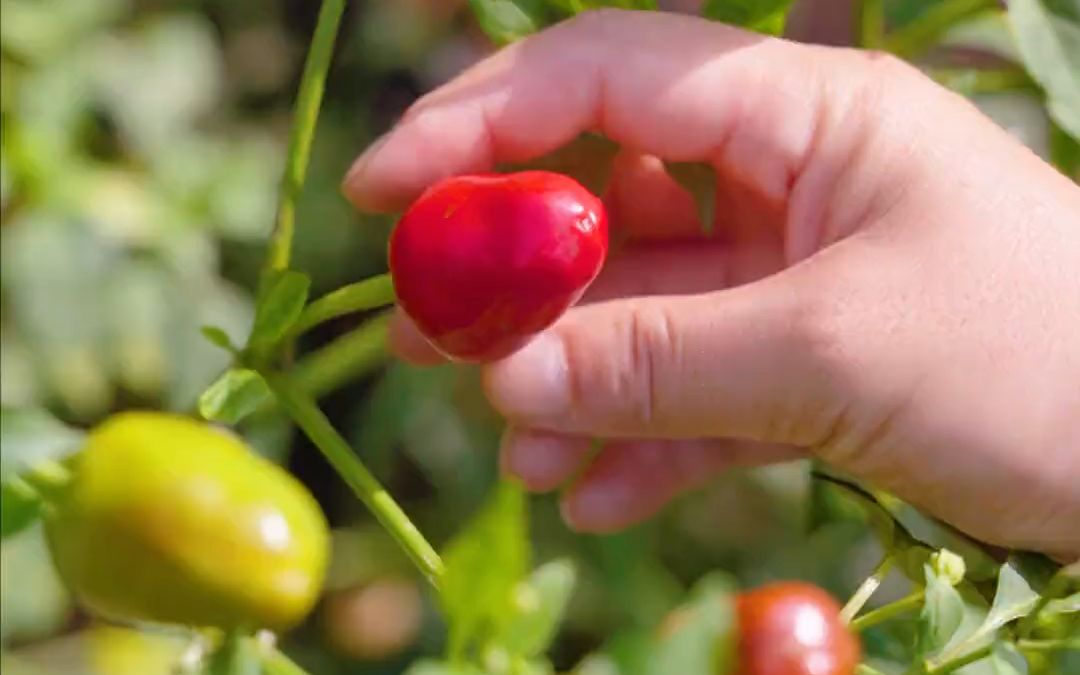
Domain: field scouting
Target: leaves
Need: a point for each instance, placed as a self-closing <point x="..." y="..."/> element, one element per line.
<point x="281" y="300"/>
<point x="505" y="21"/>
<point x="483" y="566"/>
<point x="764" y="16"/>
<point x="218" y="337"/>
<point x="1006" y="659"/>
<point x="28" y="436"/>
<point x="1048" y="36"/>
<point x="537" y="606"/>
<point x="1013" y="599"/>
<point x="233" y="396"/>
<point x="942" y="614"/>
<point x="704" y="637"/>
<point x="700" y="181"/>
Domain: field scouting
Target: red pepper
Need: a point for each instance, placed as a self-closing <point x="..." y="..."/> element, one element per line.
<point x="793" y="628"/>
<point x="483" y="263"/>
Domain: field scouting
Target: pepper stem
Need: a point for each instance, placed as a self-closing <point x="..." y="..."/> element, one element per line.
<point x="307" y="415"/>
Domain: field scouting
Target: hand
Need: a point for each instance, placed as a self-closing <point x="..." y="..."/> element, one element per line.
<point x="893" y="284"/>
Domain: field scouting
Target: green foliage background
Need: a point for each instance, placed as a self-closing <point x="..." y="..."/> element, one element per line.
<point x="142" y="145"/>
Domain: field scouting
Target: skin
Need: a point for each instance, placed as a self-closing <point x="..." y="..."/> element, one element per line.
<point x="893" y="285"/>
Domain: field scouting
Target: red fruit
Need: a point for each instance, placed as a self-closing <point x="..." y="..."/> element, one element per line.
<point x="793" y="628"/>
<point x="483" y="263"/>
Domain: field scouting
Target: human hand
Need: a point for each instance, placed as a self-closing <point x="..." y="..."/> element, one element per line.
<point x="893" y="284"/>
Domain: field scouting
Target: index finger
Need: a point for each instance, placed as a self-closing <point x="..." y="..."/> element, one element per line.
<point x="674" y="86"/>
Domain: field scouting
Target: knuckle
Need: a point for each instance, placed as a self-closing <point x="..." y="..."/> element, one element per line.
<point x="622" y="371"/>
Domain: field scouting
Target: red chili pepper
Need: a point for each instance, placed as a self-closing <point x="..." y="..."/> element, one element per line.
<point x="483" y="263"/>
<point x="793" y="628"/>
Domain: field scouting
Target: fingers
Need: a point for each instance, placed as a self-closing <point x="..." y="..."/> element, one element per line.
<point x="630" y="480"/>
<point x="543" y="461"/>
<point x="659" y="269"/>
<point x="736" y="363"/>
<point x="645" y="203"/>
<point x="689" y="90"/>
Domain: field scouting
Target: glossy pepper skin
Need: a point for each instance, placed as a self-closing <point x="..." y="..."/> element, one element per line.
<point x="482" y="263"/>
<point x="171" y="521"/>
<point x="793" y="628"/>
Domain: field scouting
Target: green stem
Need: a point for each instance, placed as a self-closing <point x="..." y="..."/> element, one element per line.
<point x="314" y="423"/>
<point x="274" y="662"/>
<point x="45" y="480"/>
<point x="372" y="293"/>
<point x="871" y="33"/>
<point x="308" y="102"/>
<point x="893" y="609"/>
<point x="1043" y="646"/>
<point x="971" y="81"/>
<point x="867" y="589"/>
<point x="233" y="656"/>
<point x="952" y="665"/>
<point x="916" y="37"/>
<point x="863" y="669"/>
<point x="352" y="355"/>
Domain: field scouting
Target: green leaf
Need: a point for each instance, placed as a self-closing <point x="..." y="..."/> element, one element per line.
<point x="1048" y="36"/>
<point x="703" y="639"/>
<point x="1070" y="604"/>
<point x="1013" y="599"/>
<point x="537" y="606"/>
<point x="572" y="7"/>
<point x="233" y="396"/>
<point x="1006" y="659"/>
<point x="942" y="614"/>
<point x="218" y="337"/>
<point x="505" y="21"/>
<point x="20" y="507"/>
<point x="28" y="436"/>
<point x="764" y="16"/>
<point x="700" y="181"/>
<point x="1065" y="152"/>
<point x="484" y="564"/>
<point x="281" y="301"/>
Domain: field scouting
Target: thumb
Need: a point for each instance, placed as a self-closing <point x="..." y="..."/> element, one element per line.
<point x="742" y="362"/>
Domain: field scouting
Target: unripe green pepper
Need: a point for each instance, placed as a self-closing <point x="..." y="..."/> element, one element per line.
<point x="168" y="520"/>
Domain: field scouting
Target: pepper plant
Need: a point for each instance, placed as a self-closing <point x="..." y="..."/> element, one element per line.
<point x="980" y="610"/>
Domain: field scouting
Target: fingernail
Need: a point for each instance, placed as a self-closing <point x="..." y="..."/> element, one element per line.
<point x="356" y="171"/>
<point x="595" y="506"/>
<point x="532" y="385"/>
<point x="540" y="460"/>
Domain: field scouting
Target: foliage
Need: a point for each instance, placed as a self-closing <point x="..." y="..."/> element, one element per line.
<point x="142" y="154"/>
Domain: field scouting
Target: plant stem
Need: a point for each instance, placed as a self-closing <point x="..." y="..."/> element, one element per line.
<point x="306" y="113"/>
<point x="974" y="81"/>
<point x="867" y="589"/>
<point x="352" y="355"/>
<point x="45" y="480"/>
<point x="882" y="614"/>
<point x="1048" y="645"/>
<point x="372" y="293"/>
<point x="917" y="36"/>
<point x="952" y="665"/>
<point x="314" y="423"/>
<point x="871" y="32"/>
<point x="863" y="669"/>
<point x="274" y="662"/>
<point x="233" y="656"/>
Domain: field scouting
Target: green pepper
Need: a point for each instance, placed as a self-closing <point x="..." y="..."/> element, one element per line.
<point x="168" y="520"/>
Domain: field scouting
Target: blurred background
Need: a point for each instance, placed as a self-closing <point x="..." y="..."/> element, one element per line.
<point x="142" y="143"/>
